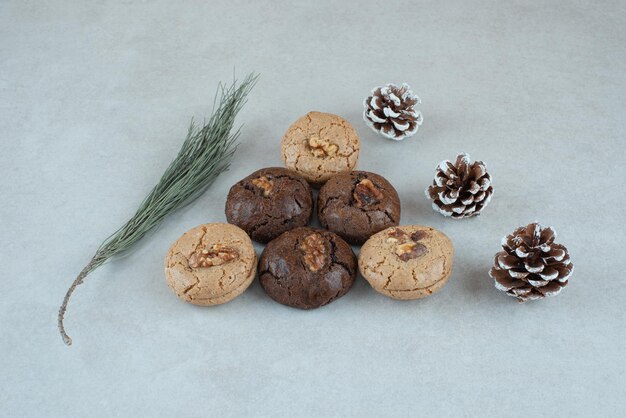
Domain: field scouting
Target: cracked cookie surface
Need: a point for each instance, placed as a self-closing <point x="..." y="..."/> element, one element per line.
<point x="211" y="264"/>
<point x="358" y="204"/>
<point x="407" y="262"/>
<point x="307" y="268"/>
<point x="269" y="202"/>
<point x="320" y="145"/>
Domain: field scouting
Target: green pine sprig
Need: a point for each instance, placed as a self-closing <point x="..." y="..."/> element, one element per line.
<point x="205" y="154"/>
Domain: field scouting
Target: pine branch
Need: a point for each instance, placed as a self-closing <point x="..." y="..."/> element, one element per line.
<point x="206" y="152"/>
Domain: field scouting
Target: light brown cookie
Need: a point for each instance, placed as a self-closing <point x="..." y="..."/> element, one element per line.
<point x="407" y="262"/>
<point x="320" y="145"/>
<point x="211" y="264"/>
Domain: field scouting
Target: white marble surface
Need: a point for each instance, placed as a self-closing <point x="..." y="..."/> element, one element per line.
<point x="94" y="102"/>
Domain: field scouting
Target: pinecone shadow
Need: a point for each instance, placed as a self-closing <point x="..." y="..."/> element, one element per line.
<point x="474" y="278"/>
<point x="473" y="282"/>
<point x="417" y="209"/>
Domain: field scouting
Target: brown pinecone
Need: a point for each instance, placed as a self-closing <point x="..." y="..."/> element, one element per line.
<point x="531" y="266"/>
<point x="390" y="111"/>
<point x="462" y="189"/>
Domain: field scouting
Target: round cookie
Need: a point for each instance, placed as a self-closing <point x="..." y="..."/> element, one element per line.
<point x="358" y="204"/>
<point x="269" y="202"/>
<point x="407" y="262"/>
<point x="320" y="145"/>
<point x="211" y="264"/>
<point x="306" y="268"/>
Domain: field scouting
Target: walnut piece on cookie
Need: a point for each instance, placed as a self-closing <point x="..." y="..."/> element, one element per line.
<point x="314" y="251"/>
<point x="322" y="148"/>
<point x="366" y="193"/>
<point x="217" y="255"/>
<point x="319" y="145"/>
<point x="264" y="183"/>
<point x="407" y="248"/>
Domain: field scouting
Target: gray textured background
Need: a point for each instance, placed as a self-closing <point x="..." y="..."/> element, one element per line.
<point x="95" y="100"/>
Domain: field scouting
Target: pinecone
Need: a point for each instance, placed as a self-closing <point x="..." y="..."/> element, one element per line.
<point x="462" y="189"/>
<point x="531" y="266"/>
<point x="390" y="111"/>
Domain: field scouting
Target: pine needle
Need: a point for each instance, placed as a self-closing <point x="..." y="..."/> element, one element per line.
<point x="206" y="152"/>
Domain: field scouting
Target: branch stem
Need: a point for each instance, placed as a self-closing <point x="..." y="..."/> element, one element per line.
<point x="95" y="262"/>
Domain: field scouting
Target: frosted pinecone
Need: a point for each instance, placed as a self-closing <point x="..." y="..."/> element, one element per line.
<point x="460" y="189"/>
<point x="531" y="266"/>
<point x="390" y="111"/>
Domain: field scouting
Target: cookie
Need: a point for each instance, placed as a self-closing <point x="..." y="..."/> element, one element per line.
<point x="306" y="268"/>
<point x="358" y="204"/>
<point x="269" y="202"/>
<point x="211" y="264"/>
<point x="320" y="145"/>
<point x="407" y="262"/>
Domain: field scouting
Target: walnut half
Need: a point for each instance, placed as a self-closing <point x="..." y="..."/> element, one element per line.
<point x="366" y="193"/>
<point x="410" y="250"/>
<point x="265" y="184"/>
<point x="314" y="251"/>
<point x="217" y="255"/>
<point x="321" y="147"/>
<point x="407" y="247"/>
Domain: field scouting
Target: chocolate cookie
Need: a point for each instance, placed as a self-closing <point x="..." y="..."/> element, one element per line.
<point x="210" y="264"/>
<point x="320" y="145"/>
<point x="407" y="262"/>
<point x="269" y="202"/>
<point x="307" y="268"/>
<point x="357" y="205"/>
